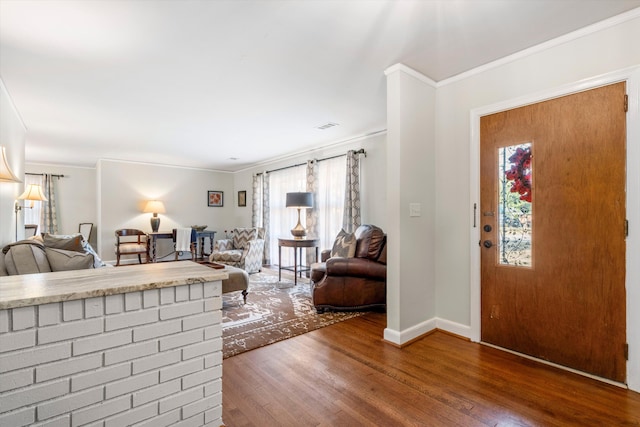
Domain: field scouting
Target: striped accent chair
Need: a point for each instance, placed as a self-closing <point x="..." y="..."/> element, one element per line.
<point x="245" y="250"/>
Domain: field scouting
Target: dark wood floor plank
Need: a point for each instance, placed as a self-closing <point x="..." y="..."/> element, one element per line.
<point x="345" y="375"/>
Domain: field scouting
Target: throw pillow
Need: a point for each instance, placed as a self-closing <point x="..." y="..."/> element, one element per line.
<point x="68" y="242"/>
<point x="63" y="260"/>
<point x="97" y="262"/>
<point x="344" y="245"/>
<point x="24" y="257"/>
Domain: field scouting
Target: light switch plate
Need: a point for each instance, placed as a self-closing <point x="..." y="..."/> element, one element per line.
<point x="414" y="209"/>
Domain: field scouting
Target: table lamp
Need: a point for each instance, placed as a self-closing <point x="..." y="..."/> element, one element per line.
<point x="155" y="207"/>
<point x="299" y="201"/>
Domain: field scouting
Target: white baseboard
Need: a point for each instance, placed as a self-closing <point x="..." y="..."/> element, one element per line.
<point x="423" y="328"/>
<point x="403" y="337"/>
<point x="453" y="327"/>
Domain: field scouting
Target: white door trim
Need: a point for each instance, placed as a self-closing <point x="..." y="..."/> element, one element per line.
<point x="632" y="77"/>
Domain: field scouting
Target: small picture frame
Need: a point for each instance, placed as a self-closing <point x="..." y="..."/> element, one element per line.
<point x="215" y="198"/>
<point x="242" y="198"/>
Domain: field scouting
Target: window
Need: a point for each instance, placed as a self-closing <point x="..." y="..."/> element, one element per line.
<point x="329" y="202"/>
<point x="331" y="182"/>
<point x="514" y="205"/>
<point x="283" y="219"/>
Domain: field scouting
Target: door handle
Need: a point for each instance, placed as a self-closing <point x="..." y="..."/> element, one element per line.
<point x="487" y="244"/>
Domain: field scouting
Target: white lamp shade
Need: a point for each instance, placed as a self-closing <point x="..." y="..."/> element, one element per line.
<point x="6" y="174"/>
<point x="154" y="206"/>
<point x="33" y="192"/>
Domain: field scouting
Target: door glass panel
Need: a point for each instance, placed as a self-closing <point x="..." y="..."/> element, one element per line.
<point x="514" y="205"/>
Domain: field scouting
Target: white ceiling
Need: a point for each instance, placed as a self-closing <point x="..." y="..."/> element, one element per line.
<point x="196" y="83"/>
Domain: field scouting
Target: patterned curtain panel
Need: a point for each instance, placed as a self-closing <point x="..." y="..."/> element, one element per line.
<point x="351" y="216"/>
<point x="311" y="223"/>
<point x="260" y="210"/>
<point x="49" y="219"/>
<point x="266" y="218"/>
<point x="256" y="205"/>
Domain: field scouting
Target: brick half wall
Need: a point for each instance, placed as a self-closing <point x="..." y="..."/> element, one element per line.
<point x="147" y="358"/>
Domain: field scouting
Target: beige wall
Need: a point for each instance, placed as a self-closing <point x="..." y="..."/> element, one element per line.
<point x="586" y="57"/>
<point x="567" y="64"/>
<point x="122" y="188"/>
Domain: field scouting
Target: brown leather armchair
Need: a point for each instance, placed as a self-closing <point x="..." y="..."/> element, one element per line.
<point x="358" y="283"/>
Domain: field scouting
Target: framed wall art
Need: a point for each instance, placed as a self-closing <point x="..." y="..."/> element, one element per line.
<point x="215" y="198"/>
<point x="242" y="198"/>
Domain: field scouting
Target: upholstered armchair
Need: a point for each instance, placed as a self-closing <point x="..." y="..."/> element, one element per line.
<point x="355" y="279"/>
<point x="244" y="250"/>
<point x="130" y="241"/>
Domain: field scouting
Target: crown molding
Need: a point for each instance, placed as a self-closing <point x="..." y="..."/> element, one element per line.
<point x="135" y="162"/>
<point x="310" y="152"/>
<point x="410" y="71"/>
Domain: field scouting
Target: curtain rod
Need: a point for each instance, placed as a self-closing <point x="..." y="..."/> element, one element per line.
<point x="360" y="151"/>
<point x="42" y="174"/>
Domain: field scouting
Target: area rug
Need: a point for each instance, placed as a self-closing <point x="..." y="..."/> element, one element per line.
<point x="274" y="311"/>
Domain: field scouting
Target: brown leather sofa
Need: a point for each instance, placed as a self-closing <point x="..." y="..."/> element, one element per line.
<point x="358" y="283"/>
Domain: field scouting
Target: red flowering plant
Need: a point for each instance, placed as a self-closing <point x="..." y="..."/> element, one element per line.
<point x="520" y="173"/>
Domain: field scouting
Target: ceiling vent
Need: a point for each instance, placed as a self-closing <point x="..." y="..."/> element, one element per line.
<point x="326" y="126"/>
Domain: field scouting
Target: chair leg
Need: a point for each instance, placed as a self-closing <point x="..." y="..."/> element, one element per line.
<point x="139" y="259"/>
<point x="117" y="260"/>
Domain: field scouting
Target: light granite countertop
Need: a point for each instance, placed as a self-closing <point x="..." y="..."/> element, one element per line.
<point x="35" y="289"/>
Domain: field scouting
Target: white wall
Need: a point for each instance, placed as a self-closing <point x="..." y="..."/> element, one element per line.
<point x="570" y="62"/>
<point x="588" y="56"/>
<point x="123" y="187"/>
<point x="12" y="136"/>
<point x="75" y="196"/>
<point x="410" y="180"/>
<point x="373" y="178"/>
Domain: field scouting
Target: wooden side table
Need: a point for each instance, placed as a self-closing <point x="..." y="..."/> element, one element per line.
<point x="153" y="237"/>
<point x="200" y="236"/>
<point x="297" y="245"/>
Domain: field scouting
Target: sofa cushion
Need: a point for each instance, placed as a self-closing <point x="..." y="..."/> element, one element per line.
<point x="132" y="247"/>
<point x="26" y="257"/>
<point x="242" y="235"/>
<point x="233" y="255"/>
<point x="63" y="260"/>
<point x="370" y="241"/>
<point x="69" y="242"/>
<point x="345" y="245"/>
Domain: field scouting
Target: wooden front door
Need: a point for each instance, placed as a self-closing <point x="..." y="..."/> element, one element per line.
<point x="553" y="230"/>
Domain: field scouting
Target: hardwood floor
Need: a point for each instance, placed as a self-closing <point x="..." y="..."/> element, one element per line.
<point x="344" y="375"/>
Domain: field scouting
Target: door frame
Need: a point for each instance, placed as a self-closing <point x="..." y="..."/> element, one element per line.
<point x="631" y="76"/>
